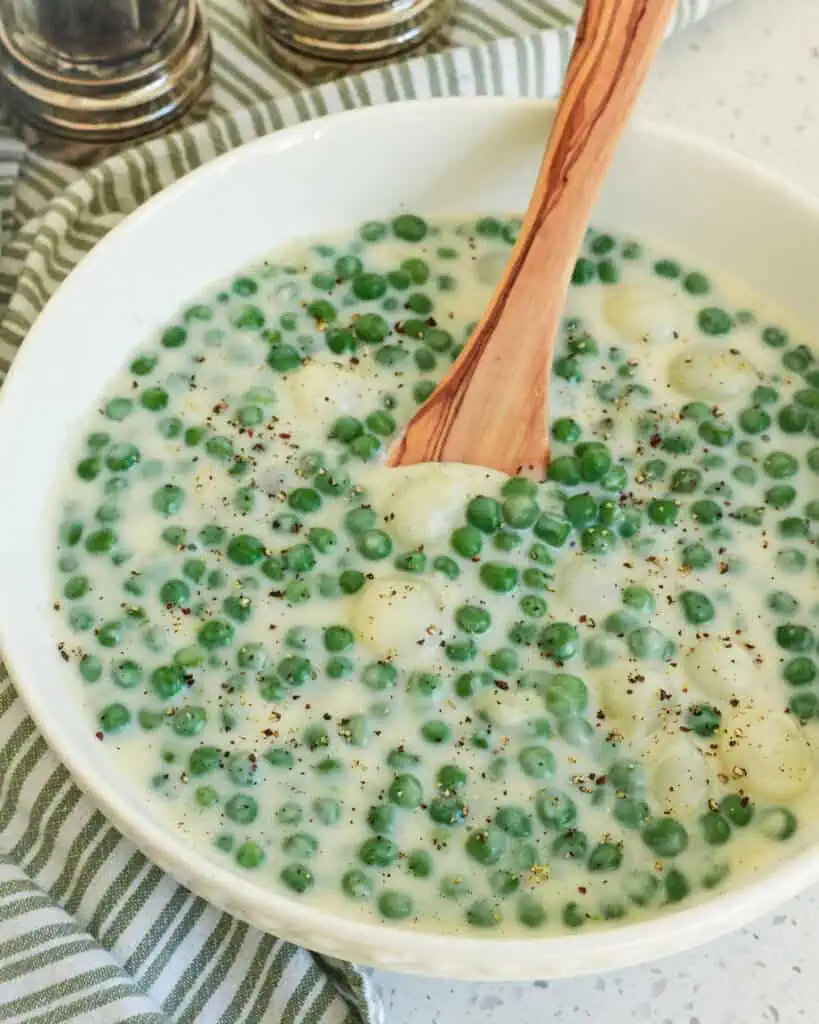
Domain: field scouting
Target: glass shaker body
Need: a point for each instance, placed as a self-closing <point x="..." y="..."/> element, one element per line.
<point x="92" y="30"/>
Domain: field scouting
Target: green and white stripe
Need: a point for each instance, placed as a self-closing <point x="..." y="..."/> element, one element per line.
<point x="89" y="929"/>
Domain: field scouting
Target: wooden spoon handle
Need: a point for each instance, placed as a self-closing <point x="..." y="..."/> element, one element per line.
<point x="490" y="410"/>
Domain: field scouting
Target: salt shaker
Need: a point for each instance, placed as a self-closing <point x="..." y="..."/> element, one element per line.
<point x="84" y="75"/>
<point x="321" y="39"/>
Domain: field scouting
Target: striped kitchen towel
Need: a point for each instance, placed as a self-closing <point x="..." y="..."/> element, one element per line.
<point x="90" y="930"/>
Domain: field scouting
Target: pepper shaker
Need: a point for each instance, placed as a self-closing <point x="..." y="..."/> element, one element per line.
<point x="321" y="39"/>
<point x="84" y="76"/>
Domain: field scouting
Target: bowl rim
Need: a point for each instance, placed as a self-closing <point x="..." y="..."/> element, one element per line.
<point x="448" y="955"/>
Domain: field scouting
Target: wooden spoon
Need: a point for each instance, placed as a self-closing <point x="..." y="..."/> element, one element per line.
<point x="491" y="408"/>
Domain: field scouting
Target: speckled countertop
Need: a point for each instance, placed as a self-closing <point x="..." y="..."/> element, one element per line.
<point x="748" y="77"/>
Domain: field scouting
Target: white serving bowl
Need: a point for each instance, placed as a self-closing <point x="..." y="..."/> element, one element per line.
<point x="439" y="158"/>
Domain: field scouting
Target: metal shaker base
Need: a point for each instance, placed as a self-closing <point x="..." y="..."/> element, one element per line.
<point x="98" y="105"/>
<point x="320" y="40"/>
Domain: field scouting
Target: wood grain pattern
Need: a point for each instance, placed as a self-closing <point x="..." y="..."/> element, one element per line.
<point x="491" y="409"/>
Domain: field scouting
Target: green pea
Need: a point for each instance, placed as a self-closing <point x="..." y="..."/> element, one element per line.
<point x="795" y="638"/>
<point x="485" y="514"/>
<point x="395" y="905"/>
<point x="215" y="633"/>
<point x="706" y="511"/>
<point x="716" y="433"/>
<point x="109" y="633"/>
<point x="697" y="607"/>
<point x="411" y="561"/>
<point x="530" y="911"/>
<point x="715" y="321"/>
<point x="154" y="400"/>
<point x="584" y="271"/>
<point x="572" y="845"/>
<point x="174" y="593"/>
<point x="379" y="675"/>
<point x="555" y="809"/>
<point x="505" y="660"/>
<point x="378" y="851"/>
<point x="581" y="510"/>
<point x="514" y="821"/>
<point x="242" y="768"/>
<point x="295" y="671"/>
<point x="81" y="620"/>
<point x="406" y="791"/>
<point x="780" y="465"/>
<point x="559" y="640"/>
<point x="204" y="760"/>
<point x="782" y="603"/>
<point x="662" y="512"/>
<point x="89" y="469"/>
<point x="676" y="885"/>
<point x="206" y="796"/>
<point x="127" y="674"/>
<point x="486" y="845"/>
<point x="566" y="695"/>
<point x="793" y="419"/>
<point x="300" y="846"/>
<point x="703" y="719"/>
<point x="648" y="643"/>
<point x="696" y="284"/>
<point x="327" y="809"/>
<point x="304" y="499"/>
<point x="780" y="496"/>
<point x="118" y="408"/>
<point x="665" y="836"/>
<point x="289" y="814"/>
<point x="754" y="420"/>
<point x="470" y="683"/>
<point x="224" y="842"/>
<point x="299" y="558"/>
<point x="448" y="810"/>
<point x="467" y="541"/>
<point x="245" y="549"/>
<point x="716" y="830"/>
<point x="114" y="718"/>
<point x="436" y="732"/>
<point x="472" y="618"/>
<point x="76" y="587"/>
<point x="566" y="430"/>
<point x="297" y="877"/>
<point x="356" y="885"/>
<point x="715" y="874"/>
<point x="189" y="721"/>
<point x="374" y="544"/>
<point x="800" y="671"/>
<point x="630" y="812"/>
<point x="638" y="599"/>
<point x="553" y="530"/>
<point x="537" y="762"/>
<point x="605" y="857"/>
<point x="696" y="556"/>
<point x="778" y="823"/>
<point x="594" y="460"/>
<point x="242" y="809"/>
<point x="100" y="542"/>
<point x="804" y="706"/>
<point x="598" y="540"/>
<point x="424" y="684"/>
<point x="381" y="819"/>
<point x="338" y="340"/>
<point x="737" y="809"/>
<point x="347" y="266"/>
<point x="283" y="358"/>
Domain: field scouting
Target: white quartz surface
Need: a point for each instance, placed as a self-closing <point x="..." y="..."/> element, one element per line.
<point x="749" y="78"/>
